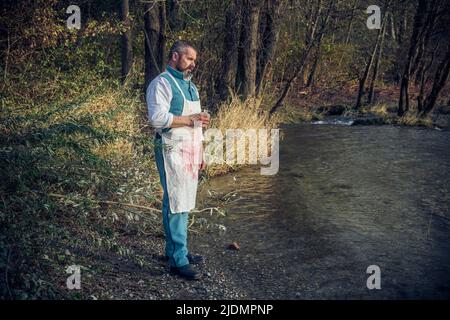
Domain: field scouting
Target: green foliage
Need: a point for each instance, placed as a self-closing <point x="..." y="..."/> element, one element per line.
<point x="63" y="121"/>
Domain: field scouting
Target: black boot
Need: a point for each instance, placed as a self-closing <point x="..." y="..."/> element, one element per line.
<point x="187" y="272"/>
<point x="195" y="258"/>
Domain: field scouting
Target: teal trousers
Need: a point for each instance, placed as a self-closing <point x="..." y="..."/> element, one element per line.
<point x="175" y="224"/>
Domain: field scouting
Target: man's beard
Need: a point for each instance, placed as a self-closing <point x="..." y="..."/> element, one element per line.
<point x="187" y="73"/>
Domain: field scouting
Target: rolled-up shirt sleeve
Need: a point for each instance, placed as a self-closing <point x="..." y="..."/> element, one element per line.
<point x="159" y="95"/>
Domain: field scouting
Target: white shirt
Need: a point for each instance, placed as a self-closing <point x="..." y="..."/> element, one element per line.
<point x="159" y="95"/>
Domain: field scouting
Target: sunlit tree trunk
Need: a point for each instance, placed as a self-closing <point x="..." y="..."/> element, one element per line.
<point x="227" y="79"/>
<point x="268" y="41"/>
<point x="249" y="47"/>
<point x="154" y="39"/>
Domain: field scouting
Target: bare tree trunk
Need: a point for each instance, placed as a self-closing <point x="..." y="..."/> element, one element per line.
<point x="424" y="39"/>
<point x="316" y="59"/>
<point x="155" y="41"/>
<point x="291" y="80"/>
<point x="363" y="79"/>
<point x="319" y="48"/>
<point x="310" y="39"/>
<point x="377" y="65"/>
<point x="310" y="80"/>
<point x="334" y="22"/>
<point x="315" y="21"/>
<point x="268" y="43"/>
<point x="423" y="79"/>
<point x="392" y="25"/>
<point x="173" y="9"/>
<point x="127" y="45"/>
<point x="349" y="28"/>
<point x="440" y="79"/>
<point x="402" y="25"/>
<point x="250" y="23"/>
<point x="350" y="24"/>
<point x="403" y="103"/>
<point x="230" y="50"/>
<point x="311" y="35"/>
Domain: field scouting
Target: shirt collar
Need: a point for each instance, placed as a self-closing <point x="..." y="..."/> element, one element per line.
<point x="177" y="74"/>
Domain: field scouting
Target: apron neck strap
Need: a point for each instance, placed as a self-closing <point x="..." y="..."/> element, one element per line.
<point x="176" y="83"/>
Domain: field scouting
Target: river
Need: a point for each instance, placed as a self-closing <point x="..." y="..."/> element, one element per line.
<point x="346" y="197"/>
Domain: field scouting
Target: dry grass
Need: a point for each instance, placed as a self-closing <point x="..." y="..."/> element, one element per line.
<point x="294" y="113"/>
<point x="378" y="109"/>
<point x="413" y="120"/>
<point x="409" y="119"/>
<point x="244" y="115"/>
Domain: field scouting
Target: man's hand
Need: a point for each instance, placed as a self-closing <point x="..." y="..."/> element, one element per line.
<point x="202" y="116"/>
<point x="183" y="121"/>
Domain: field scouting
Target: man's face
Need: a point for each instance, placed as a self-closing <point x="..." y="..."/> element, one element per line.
<point x="185" y="62"/>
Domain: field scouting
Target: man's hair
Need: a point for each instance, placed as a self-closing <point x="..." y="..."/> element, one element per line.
<point x="180" y="46"/>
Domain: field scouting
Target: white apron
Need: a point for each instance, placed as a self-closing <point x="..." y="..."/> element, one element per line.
<point x="182" y="153"/>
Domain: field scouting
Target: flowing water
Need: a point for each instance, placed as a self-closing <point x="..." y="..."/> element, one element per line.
<point x="345" y="198"/>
